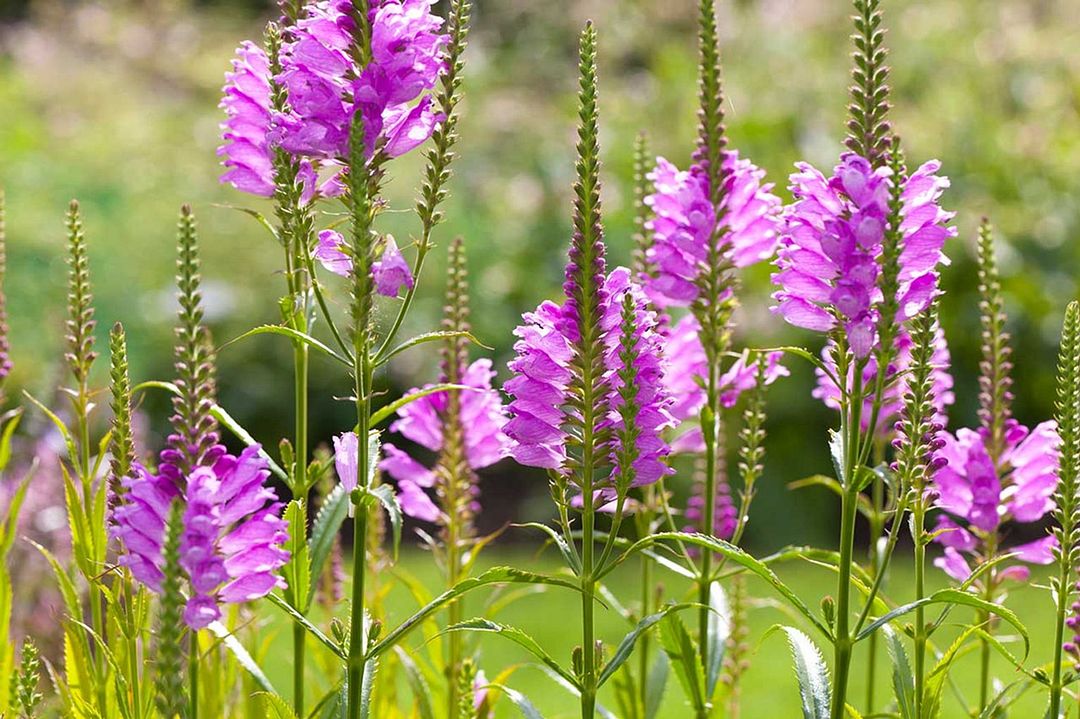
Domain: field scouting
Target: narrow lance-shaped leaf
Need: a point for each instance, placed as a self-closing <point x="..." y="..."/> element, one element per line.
<point x="812" y="674"/>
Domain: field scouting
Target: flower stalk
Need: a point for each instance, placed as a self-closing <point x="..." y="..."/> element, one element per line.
<point x="1067" y="509"/>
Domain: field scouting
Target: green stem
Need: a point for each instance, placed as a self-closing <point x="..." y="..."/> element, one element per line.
<point x="299" y="647"/>
<point x="1059" y="637"/>
<point x="843" y="642"/>
<point x="877" y="527"/>
<point x="643" y="643"/>
<point x="357" y="638"/>
<point x="918" y="530"/>
<point x="193" y="675"/>
<point x="984" y="652"/>
<point x="709" y="414"/>
<point x="455" y="610"/>
<point x="588" y="590"/>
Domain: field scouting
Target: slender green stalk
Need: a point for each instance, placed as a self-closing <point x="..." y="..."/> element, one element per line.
<point x="193" y="674"/>
<point x="709" y="429"/>
<point x="588" y="588"/>
<point x="843" y="636"/>
<point x="357" y="638"/>
<point x="1067" y="509"/>
<point x="918" y="531"/>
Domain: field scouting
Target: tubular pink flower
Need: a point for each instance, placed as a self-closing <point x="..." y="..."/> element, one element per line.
<point x="391" y="272"/>
<point x="831" y="244"/>
<point x="482" y="418"/>
<point x="982" y="496"/>
<point x="232" y="541"/>
<point x="685" y="219"/>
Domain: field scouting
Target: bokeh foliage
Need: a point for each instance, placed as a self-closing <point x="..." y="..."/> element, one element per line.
<point x="114" y="102"/>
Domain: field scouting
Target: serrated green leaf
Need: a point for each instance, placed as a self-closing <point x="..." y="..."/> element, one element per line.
<point x="626" y="646"/>
<point x="515" y="635"/>
<point x="954" y="597"/>
<point x="680" y="648"/>
<point x="733" y="554"/>
<point x="306" y="624"/>
<point x="389" y="501"/>
<point x="295" y="336"/>
<point x="439" y="336"/>
<point x="242" y="656"/>
<point x="417" y="684"/>
<point x="935" y="680"/>
<point x="384" y="413"/>
<point x="903" y="680"/>
<point x="297" y="571"/>
<point x="324" y="530"/>
<point x="519" y="700"/>
<point x="495" y="575"/>
<point x="813" y="675"/>
<point x="276" y="707"/>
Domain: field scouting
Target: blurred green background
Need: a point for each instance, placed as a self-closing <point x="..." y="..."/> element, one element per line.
<point x="114" y="103"/>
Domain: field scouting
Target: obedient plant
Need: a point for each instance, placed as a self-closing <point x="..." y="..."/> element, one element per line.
<point x="625" y="391"/>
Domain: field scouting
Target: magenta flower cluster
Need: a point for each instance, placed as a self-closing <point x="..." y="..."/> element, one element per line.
<point x="831" y="245"/>
<point x="246" y="133"/>
<point x="540" y="417"/>
<point x="482" y="418"/>
<point x="685" y="220"/>
<point x="978" y="496"/>
<point x="231" y="544"/>
<point x="326" y="85"/>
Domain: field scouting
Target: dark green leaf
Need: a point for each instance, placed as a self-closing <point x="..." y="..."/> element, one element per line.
<point x="902" y="678"/>
<point x="495" y="575"/>
<point x="683" y="653"/>
<point x="296" y="336"/>
<point x="324" y="531"/>
<point x="518" y="637"/>
<point x="385" y="494"/>
<point x="626" y="646"/>
<point x="384" y="413"/>
<point x="439" y="336"/>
